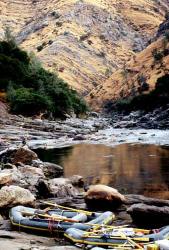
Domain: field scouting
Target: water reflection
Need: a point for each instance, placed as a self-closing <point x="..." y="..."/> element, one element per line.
<point x="138" y="169"/>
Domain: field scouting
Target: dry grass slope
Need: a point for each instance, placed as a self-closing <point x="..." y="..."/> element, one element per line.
<point x="143" y="67"/>
<point x="84" y="41"/>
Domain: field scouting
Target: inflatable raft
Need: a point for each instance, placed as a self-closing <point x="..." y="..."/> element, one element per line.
<point x="117" y="237"/>
<point x="56" y="219"/>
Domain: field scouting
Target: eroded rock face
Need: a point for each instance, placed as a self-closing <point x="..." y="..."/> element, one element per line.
<point x="12" y="195"/>
<point x="99" y="195"/>
<point x="24" y="155"/>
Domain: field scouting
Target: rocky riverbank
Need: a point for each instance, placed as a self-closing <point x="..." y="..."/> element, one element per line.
<point x="156" y="119"/>
<point x="95" y="130"/>
<point x="26" y="180"/>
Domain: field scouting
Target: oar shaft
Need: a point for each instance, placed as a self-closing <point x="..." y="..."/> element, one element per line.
<point x="67" y="208"/>
<point x="53" y="217"/>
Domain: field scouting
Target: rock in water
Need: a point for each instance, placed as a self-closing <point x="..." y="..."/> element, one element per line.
<point x="24" y="155"/>
<point x="101" y="196"/>
<point x="12" y="195"/>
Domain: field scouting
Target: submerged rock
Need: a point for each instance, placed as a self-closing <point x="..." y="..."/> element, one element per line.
<point x="103" y="196"/>
<point x="12" y="195"/>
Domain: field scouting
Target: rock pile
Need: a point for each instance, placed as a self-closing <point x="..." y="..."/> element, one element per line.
<point x="24" y="177"/>
<point x="156" y="119"/>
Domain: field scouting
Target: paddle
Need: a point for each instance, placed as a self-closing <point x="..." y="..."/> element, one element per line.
<point x="53" y="217"/>
<point x="68" y="208"/>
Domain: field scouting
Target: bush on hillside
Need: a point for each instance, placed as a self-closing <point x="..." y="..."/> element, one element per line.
<point x="31" y="89"/>
<point x="159" y="97"/>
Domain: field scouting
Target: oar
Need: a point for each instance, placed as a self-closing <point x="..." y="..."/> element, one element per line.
<point x="53" y="217"/>
<point x="131" y="241"/>
<point x="105" y="229"/>
<point x="67" y="208"/>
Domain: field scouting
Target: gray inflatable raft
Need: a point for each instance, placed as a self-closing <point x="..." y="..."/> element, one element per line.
<point x="20" y="216"/>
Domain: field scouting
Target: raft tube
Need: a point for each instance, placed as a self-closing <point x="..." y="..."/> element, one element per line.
<point x="19" y="217"/>
<point x="79" y="236"/>
<point x="159" y="234"/>
<point x="113" y="239"/>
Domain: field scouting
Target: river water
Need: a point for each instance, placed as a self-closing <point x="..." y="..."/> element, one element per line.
<point x="131" y="168"/>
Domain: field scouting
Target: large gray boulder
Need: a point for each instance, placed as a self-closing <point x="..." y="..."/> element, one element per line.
<point x="62" y="187"/>
<point x="31" y="176"/>
<point x="12" y="195"/>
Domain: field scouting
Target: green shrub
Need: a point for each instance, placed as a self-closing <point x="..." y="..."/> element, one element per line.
<point x="28" y="102"/>
<point x="32" y="89"/>
<point x="158" y="97"/>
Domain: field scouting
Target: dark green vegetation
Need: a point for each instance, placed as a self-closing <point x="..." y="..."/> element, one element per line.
<point x="159" y="97"/>
<point x="31" y="89"/>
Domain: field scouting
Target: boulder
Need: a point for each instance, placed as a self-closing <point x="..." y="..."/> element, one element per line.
<point x="31" y="175"/>
<point x="42" y="188"/>
<point x="24" y="155"/>
<point x="62" y="187"/>
<point x="50" y="170"/>
<point x="77" y="180"/>
<point x="143" y="214"/>
<point x="135" y="198"/>
<point x="15" y="175"/>
<point x="5" y="178"/>
<point x="101" y="196"/>
<point x="12" y="195"/>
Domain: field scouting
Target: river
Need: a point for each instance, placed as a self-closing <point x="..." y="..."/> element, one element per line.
<point x="131" y="168"/>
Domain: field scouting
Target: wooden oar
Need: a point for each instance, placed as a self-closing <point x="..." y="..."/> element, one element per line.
<point x="53" y="217"/>
<point x="105" y="229"/>
<point x="67" y="208"/>
<point x="131" y="241"/>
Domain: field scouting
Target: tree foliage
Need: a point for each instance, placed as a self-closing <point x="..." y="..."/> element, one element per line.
<point x="32" y="89"/>
<point x="159" y="97"/>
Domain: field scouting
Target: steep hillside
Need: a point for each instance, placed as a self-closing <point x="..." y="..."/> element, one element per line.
<point x="85" y="41"/>
<point x="137" y="76"/>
